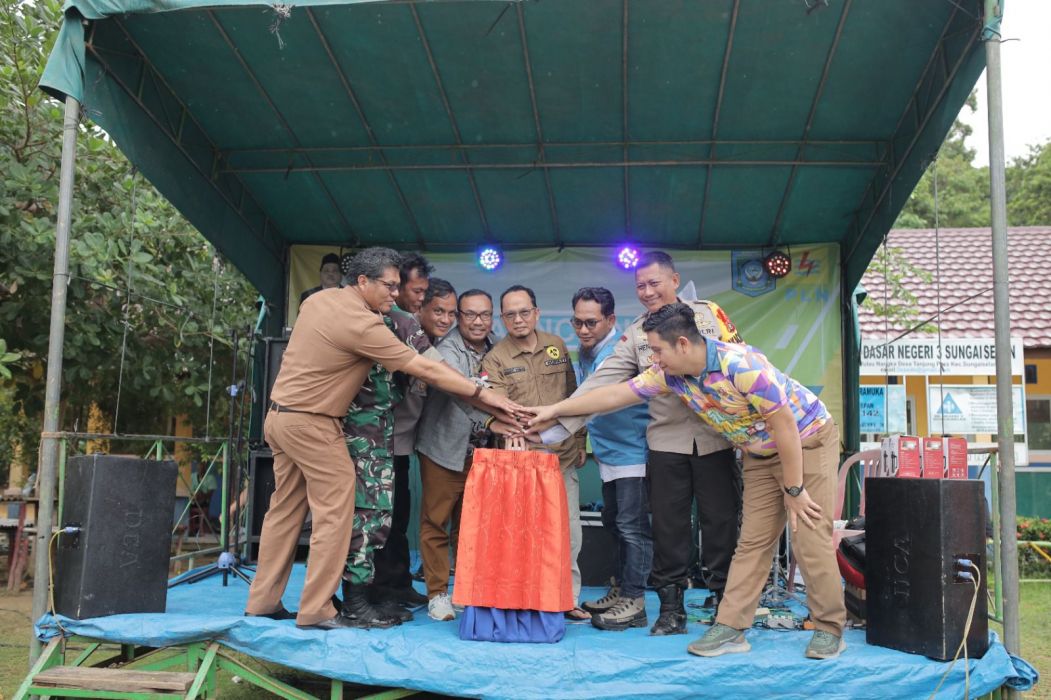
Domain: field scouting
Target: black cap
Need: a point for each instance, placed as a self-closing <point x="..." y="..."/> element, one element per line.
<point x="330" y="258"/>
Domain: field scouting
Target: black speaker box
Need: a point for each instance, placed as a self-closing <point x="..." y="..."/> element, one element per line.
<point x="275" y="351"/>
<point x="917" y="533"/>
<point x="598" y="551"/>
<point x="261" y="486"/>
<point x="118" y="561"/>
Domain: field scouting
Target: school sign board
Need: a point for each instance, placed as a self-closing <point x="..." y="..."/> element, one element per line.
<point x="934" y="356"/>
<point x="970" y="409"/>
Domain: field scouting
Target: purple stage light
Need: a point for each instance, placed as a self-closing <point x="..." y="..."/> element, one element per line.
<point x="490" y="258"/>
<point x="628" y="257"/>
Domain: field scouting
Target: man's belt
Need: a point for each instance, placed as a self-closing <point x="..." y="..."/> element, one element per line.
<point x="274" y="406"/>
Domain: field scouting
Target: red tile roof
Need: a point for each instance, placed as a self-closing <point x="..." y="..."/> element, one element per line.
<point x="966" y="268"/>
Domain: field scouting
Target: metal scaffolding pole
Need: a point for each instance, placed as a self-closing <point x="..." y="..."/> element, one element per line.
<point x="1002" y="325"/>
<point x="53" y="390"/>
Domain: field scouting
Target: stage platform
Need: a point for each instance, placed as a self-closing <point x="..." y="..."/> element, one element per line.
<point x="587" y="663"/>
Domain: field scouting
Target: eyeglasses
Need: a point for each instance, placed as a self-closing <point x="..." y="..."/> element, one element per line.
<point x="392" y="287"/>
<point x="512" y="315"/>
<point x="591" y="323"/>
<point x="471" y="316"/>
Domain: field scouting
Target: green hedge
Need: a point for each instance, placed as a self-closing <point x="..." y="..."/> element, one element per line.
<point x="1030" y="563"/>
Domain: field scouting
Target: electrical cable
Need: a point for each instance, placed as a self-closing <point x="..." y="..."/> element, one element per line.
<point x="70" y="530"/>
<point x="938" y="294"/>
<point x="127" y="297"/>
<point x="963" y="642"/>
<point x="211" y="346"/>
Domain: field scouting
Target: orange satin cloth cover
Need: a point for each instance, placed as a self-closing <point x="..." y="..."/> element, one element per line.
<point x="514" y="534"/>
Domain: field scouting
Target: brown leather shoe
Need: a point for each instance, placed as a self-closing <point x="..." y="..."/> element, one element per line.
<point x="333" y="623"/>
<point x="279" y="614"/>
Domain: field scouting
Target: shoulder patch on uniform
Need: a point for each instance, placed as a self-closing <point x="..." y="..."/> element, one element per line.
<point x="553" y="352"/>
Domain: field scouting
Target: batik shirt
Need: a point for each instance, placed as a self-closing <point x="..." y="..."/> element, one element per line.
<point x="736" y="393"/>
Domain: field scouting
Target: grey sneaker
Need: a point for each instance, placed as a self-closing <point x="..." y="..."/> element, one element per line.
<point x="825" y="645"/>
<point x="627" y="613"/>
<point x="605" y="602"/>
<point x="718" y="640"/>
<point x="440" y="608"/>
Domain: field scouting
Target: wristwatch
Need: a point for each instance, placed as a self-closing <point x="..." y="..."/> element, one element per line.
<point x="794" y="491"/>
<point x="479" y="384"/>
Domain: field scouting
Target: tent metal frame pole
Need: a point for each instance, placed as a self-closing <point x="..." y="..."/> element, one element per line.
<point x="284" y="171"/>
<point x="541" y="156"/>
<point x="624" y="114"/>
<point x="775" y="230"/>
<point x="727" y="52"/>
<point x="440" y="84"/>
<point x="711" y="143"/>
<point x="53" y="388"/>
<point x="1002" y="324"/>
<point x="352" y="234"/>
<point x="373" y="141"/>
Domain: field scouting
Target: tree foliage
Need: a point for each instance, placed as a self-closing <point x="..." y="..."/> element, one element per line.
<point x="963" y="189"/>
<point x="137" y="269"/>
<point x="895" y="299"/>
<point x="1029" y="188"/>
<point x="953" y="193"/>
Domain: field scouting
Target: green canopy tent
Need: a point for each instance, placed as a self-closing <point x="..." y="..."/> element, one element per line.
<point x="442" y="125"/>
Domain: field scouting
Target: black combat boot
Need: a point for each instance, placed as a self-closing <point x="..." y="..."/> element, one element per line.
<point x="672" y="619"/>
<point x="359" y="612"/>
<point x="405" y="595"/>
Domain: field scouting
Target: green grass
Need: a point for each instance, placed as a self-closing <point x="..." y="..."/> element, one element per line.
<point x="1035" y="615"/>
<point x="15" y="623"/>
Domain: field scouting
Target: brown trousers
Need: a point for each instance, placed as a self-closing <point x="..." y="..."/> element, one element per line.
<point x="442" y="494"/>
<point x="764" y="521"/>
<point x="313" y="471"/>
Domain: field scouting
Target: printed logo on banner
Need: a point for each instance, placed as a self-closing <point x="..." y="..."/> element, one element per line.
<point x="749" y="275"/>
<point x="807" y="265"/>
<point x="949" y="407"/>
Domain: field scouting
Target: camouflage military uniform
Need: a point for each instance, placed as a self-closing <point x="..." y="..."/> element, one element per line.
<point x="369" y="429"/>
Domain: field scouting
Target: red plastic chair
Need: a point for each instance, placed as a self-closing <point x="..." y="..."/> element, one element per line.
<point x="870" y="465"/>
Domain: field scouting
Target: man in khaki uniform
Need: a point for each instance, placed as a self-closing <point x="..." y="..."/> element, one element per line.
<point x="687" y="460"/>
<point x="533" y="368"/>
<point x="338" y="336"/>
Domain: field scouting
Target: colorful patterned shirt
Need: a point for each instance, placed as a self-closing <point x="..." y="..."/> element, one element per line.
<point x="735" y="394"/>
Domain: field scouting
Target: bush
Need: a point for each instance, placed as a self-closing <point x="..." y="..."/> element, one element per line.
<point x="1030" y="563"/>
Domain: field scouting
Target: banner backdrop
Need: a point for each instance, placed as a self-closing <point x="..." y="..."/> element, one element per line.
<point x="794" y="320"/>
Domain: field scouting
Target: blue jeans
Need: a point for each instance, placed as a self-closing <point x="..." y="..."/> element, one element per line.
<point x="626" y="514"/>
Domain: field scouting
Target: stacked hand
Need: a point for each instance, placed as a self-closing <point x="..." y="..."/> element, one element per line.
<point x="543" y="417"/>
<point x="506" y="410"/>
<point x="516" y="443"/>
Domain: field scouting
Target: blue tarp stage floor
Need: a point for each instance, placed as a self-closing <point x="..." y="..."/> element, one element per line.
<point x="587" y="663"/>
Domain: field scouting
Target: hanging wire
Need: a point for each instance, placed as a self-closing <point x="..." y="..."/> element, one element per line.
<point x="938" y="296"/>
<point x="886" y="322"/>
<point x="127" y="294"/>
<point x="211" y="344"/>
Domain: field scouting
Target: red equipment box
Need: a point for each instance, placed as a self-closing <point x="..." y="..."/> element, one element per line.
<point x="933" y="458"/>
<point x="955" y="457"/>
<point x="902" y="454"/>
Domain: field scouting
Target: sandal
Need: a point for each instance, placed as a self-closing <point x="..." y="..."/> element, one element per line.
<point x="578" y="615"/>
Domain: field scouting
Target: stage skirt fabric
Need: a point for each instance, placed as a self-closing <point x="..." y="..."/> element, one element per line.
<point x="496" y="625"/>
<point x="514" y="553"/>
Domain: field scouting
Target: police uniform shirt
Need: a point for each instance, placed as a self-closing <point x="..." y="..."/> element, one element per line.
<point x="536" y="378"/>
<point x="673" y="426"/>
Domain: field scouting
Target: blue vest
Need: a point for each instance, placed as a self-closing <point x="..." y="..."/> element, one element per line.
<point x="618" y="438"/>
